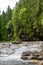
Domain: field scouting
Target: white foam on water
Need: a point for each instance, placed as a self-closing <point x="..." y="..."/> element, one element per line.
<point x="35" y="47"/>
<point x="15" y="56"/>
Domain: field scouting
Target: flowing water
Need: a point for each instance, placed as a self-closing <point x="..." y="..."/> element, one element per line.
<point x="11" y="54"/>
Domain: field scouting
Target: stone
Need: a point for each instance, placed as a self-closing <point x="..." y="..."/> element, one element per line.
<point x="41" y="63"/>
<point x="24" y="57"/>
<point x="0" y="52"/>
<point x="26" y="53"/>
<point x="17" y="42"/>
<point x="40" y="58"/>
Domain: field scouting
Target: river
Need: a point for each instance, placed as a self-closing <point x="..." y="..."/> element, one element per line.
<point x="10" y="54"/>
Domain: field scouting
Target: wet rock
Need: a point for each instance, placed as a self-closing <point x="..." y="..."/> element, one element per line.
<point x="0" y="52"/>
<point x="41" y="63"/>
<point x="17" y="42"/>
<point x="26" y="53"/>
<point x="9" y="44"/>
<point x="3" y="43"/>
<point x="24" y="57"/>
<point x="37" y="56"/>
<point x="40" y="58"/>
<point x="34" y="58"/>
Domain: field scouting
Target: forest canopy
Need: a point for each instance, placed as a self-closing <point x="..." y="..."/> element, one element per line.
<point x="24" y="22"/>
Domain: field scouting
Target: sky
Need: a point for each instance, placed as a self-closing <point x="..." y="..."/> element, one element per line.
<point x="4" y="4"/>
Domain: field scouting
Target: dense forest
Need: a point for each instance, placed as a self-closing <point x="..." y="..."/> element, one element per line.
<point x="24" y="22"/>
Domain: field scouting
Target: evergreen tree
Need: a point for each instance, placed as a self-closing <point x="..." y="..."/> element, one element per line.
<point x="26" y="17"/>
<point x="24" y="22"/>
<point x="8" y="23"/>
<point x="0" y="29"/>
<point x="3" y="25"/>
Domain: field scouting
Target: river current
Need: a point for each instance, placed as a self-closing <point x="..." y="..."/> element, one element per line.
<point x="10" y="54"/>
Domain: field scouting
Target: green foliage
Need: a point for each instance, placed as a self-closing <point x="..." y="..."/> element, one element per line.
<point x="27" y="19"/>
<point x="8" y="14"/>
<point x="24" y="22"/>
<point x="5" y="24"/>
